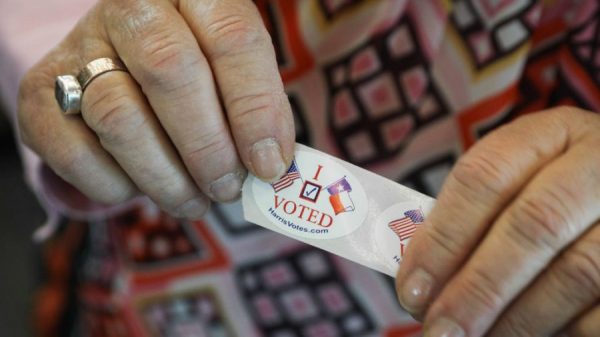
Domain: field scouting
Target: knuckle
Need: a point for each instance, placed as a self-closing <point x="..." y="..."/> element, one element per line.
<point x="164" y="51"/>
<point x="479" y="174"/>
<point x="580" y="269"/>
<point x="165" y="58"/>
<point x="484" y="291"/>
<point x="235" y="33"/>
<point x="514" y="324"/>
<point x="541" y="221"/>
<point x="246" y="107"/>
<point x="445" y="238"/>
<point x="209" y="145"/>
<point x="114" y="116"/>
<point x="136" y="19"/>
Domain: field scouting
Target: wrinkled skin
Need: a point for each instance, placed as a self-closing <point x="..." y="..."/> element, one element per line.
<point x="202" y="102"/>
<point x="512" y="248"/>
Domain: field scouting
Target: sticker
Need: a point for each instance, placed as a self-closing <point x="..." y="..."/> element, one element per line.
<point x="395" y="227"/>
<point x="317" y="198"/>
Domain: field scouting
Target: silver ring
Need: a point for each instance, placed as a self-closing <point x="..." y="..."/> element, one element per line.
<point x="69" y="89"/>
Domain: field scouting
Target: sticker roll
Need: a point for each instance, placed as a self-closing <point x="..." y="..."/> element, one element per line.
<point x="338" y="207"/>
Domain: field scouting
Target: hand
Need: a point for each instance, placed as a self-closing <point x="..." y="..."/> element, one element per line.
<point x="512" y="247"/>
<point x="203" y="101"/>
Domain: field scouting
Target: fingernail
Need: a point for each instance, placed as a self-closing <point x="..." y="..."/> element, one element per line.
<point x="267" y="160"/>
<point x="227" y="188"/>
<point x="416" y="290"/>
<point x="193" y="209"/>
<point x="444" y="327"/>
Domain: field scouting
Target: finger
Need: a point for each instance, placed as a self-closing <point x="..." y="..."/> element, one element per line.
<point x="114" y="107"/>
<point x="588" y="325"/>
<point x="554" y="209"/>
<point x="483" y="181"/>
<point x="568" y="288"/>
<point x="239" y="49"/>
<point x="66" y="144"/>
<point x="163" y="56"/>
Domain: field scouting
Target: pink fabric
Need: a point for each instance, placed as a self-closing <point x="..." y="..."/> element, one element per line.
<point x="401" y="88"/>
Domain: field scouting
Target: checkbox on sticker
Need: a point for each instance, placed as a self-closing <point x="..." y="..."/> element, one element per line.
<point x="310" y="191"/>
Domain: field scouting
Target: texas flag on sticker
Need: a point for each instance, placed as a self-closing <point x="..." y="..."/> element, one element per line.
<point x="340" y="196"/>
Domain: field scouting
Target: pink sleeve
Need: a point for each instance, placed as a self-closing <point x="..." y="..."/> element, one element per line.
<point x="30" y="31"/>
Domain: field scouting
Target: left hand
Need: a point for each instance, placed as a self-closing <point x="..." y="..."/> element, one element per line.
<point x="512" y="247"/>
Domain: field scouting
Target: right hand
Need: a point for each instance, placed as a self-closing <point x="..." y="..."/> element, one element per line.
<point x="203" y="101"/>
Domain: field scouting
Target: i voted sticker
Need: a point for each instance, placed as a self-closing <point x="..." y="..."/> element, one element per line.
<point x="395" y="227"/>
<point x="317" y="198"/>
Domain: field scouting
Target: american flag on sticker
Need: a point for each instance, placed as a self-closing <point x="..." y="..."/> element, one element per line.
<point x="406" y="226"/>
<point x="288" y="178"/>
